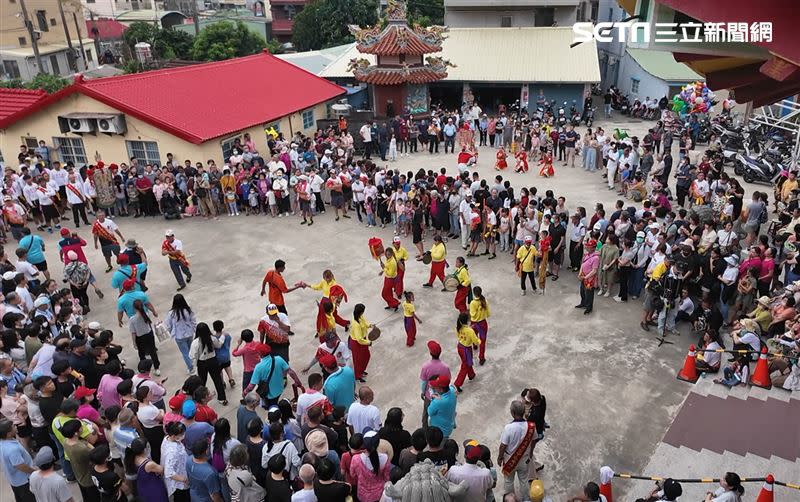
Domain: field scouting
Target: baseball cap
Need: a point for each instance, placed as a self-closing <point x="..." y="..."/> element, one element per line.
<point x="328" y="361"/>
<point x="10" y="275"/>
<point x="272" y="309"/>
<point x="42" y="300"/>
<point x="123" y="259"/>
<point x="473" y="451"/>
<point x="396" y="239"/>
<point x="64" y="232"/>
<point x="169" y="232"/>
<point x="95" y="326"/>
<point x="434" y="348"/>
<point x="640" y="234"/>
<point x="591" y="243"/>
<point x="189" y="409"/>
<point x="371" y="438"/>
<point x="441" y="381"/>
<point x="176" y="401"/>
<point x="82" y="392"/>
<point x="263" y="349"/>
<point x="44" y="456"/>
<point x="528" y="238"/>
<point x="6" y="197"/>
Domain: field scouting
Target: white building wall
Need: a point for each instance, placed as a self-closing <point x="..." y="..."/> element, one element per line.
<point x="649" y="85"/>
<point x="487" y="19"/>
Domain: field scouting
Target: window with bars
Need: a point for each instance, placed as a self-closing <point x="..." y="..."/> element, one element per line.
<point x="30" y="142"/>
<point x="11" y="69"/>
<point x="227" y="147"/>
<point x="71" y="149"/>
<point x="145" y="151"/>
<point x="308" y="119"/>
<point x="41" y="20"/>
<point x="634" y="85"/>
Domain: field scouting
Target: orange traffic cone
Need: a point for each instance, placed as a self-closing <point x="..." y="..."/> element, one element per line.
<point x="766" y="494"/>
<point x="761" y="374"/>
<point x="689" y="371"/>
<point x="606" y="475"/>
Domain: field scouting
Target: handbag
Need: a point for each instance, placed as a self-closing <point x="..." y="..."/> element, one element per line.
<point x="252" y="492"/>
<point x="161" y="331"/>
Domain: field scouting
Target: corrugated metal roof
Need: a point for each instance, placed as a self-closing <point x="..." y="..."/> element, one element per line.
<point x="505" y="55"/>
<point x="315" y="61"/>
<point x="15" y="101"/>
<point x="662" y="65"/>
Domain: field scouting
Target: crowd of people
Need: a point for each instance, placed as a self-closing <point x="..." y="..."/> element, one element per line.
<point x="68" y="397"/>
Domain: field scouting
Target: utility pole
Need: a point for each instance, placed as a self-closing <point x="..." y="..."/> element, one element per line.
<point x="80" y="41"/>
<point x="32" y="34"/>
<point x="195" y="18"/>
<point x="97" y="47"/>
<point x="73" y="63"/>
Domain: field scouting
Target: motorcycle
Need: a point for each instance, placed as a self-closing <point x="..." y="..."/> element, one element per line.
<point x="756" y="169"/>
<point x="589" y="117"/>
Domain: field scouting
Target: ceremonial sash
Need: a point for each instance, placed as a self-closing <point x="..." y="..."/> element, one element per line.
<point x="76" y="192"/>
<point x="174" y="254"/>
<point x="513" y="461"/>
<point x="12" y="216"/>
<point x="99" y="230"/>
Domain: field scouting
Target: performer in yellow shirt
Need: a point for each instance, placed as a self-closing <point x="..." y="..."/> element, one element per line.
<point x="464" y="284"/>
<point x="359" y="342"/>
<point x="525" y="263"/>
<point x="410" y="318"/>
<point x="467" y="341"/>
<point x="401" y="255"/>
<point x="478" y="314"/>
<point x="325" y="285"/>
<point x="438" y="261"/>
<point x="389" y="271"/>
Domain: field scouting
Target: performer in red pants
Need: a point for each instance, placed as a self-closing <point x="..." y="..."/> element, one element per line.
<point x="478" y="313"/>
<point x="401" y="255"/>
<point x="438" y="256"/>
<point x="389" y="271"/>
<point x="464" y="285"/>
<point x="467" y="341"/>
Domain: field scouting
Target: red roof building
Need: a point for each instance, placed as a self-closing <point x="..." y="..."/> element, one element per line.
<point x="15" y="102"/>
<point x="105" y="29"/>
<point x="401" y="76"/>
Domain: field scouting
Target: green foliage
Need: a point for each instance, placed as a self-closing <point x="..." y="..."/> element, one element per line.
<point x="323" y="23"/>
<point x="225" y="40"/>
<point x="425" y="12"/>
<point x="165" y="44"/>
<point x="46" y="82"/>
<point x="132" y="66"/>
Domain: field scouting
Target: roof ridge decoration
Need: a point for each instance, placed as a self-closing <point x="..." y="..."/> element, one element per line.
<point x="393" y="36"/>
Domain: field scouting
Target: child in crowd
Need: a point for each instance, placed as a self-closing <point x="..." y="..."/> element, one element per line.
<point x="223" y="353"/>
<point x="191" y="206"/>
<point x="369" y="208"/>
<point x="738" y="372"/>
<point x="252" y="199"/>
<point x="505" y="230"/>
<point x="393" y="149"/>
<point x="230" y="200"/>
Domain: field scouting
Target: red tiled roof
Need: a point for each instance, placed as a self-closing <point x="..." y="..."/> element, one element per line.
<point x="206" y="101"/>
<point x="399" y="39"/>
<point x="385" y="76"/>
<point x="14" y="102"/>
<point x="107" y="29"/>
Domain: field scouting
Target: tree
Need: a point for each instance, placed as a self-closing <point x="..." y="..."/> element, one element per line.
<point x="323" y="23"/>
<point x="225" y="40"/>
<point x="165" y="44"/>
<point x="44" y="81"/>
<point x="425" y="12"/>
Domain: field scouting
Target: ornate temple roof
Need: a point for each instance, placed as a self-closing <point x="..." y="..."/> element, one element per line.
<point x="435" y="69"/>
<point x="397" y="37"/>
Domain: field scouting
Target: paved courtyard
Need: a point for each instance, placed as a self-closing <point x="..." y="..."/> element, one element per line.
<point x="611" y="389"/>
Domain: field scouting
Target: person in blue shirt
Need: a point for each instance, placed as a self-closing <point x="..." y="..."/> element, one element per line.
<point x="203" y="479"/>
<point x="449" y="131"/>
<point x="125" y="301"/>
<point x="340" y="386"/>
<point x="272" y="371"/>
<point x="34" y="245"/>
<point x="223" y="353"/>
<point x="17" y="462"/>
<point x="124" y="273"/>
<point x="442" y="410"/>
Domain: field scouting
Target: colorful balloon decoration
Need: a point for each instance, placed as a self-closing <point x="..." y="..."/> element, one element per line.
<point x="693" y="98"/>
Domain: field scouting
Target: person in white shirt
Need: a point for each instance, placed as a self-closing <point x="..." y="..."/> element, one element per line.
<point x="22" y="291"/>
<point x="478" y="479"/>
<point x="172" y="248"/>
<point x="46" y="194"/>
<point x="512" y="438"/>
<point x="316" y="182"/>
<point x="312" y="397"/>
<point x="306" y="475"/>
<point x="358" y="188"/>
<point x="366" y="137"/>
<point x="362" y="414"/>
<point x="77" y="199"/>
<point x="464" y="212"/>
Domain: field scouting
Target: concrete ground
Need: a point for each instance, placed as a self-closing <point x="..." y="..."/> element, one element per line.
<point x="611" y="389"/>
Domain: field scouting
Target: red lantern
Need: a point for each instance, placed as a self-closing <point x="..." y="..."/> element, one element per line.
<point x="375" y="248"/>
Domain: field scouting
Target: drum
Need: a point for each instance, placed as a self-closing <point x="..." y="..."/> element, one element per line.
<point x="426" y="258"/>
<point x="374" y="334"/>
<point x="450" y="283"/>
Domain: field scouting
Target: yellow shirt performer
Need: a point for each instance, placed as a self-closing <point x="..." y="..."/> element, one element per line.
<point x="478" y="315"/>
<point x="467" y="341"/>
<point x="401" y="255"/>
<point x="464" y="284"/>
<point x="525" y="263"/>
<point x="410" y="318"/>
<point x="325" y="285"/>
<point x="438" y="261"/>
<point x="389" y="269"/>
<point x="359" y="342"/>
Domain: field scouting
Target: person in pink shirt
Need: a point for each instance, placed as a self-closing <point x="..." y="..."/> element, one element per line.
<point x="86" y="411"/>
<point x="430" y="370"/>
<point x="753" y="261"/>
<point x="250" y="353"/>
<point x="766" y="273"/>
<point x="370" y="470"/>
<point x="107" y="393"/>
<point x="588" y="276"/>
<point x="175" y="406"/>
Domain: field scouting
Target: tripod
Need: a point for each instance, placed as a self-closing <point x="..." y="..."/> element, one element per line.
<point x="662" y="339"/>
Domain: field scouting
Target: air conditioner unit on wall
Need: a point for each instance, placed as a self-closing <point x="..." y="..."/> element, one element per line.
<point x="81" y="125"/>
<point x="112" y="124"/>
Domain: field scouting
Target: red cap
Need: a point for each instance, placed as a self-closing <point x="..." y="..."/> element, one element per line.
<point x="263" y="349"/>
<point x="591" y="243"/>
<point x="338" y="292"/>
<point x="111" y="166"/>
<point x="328" y="361"/>
<point x="473" y="452"/>
<point x="82" y="392"/>
<point x="176" y="401"/>
<point x="440" y="382"/>
<point x="434" y="348"/>
<point x="64" y="232"/>
<point x="123" y="259"/>
<point x="101" y="164"/>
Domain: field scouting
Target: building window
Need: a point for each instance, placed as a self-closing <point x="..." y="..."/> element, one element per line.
<point x="544" y="16"/>
<point x="227" y="147"/>
<point x="30" y="142"/>
<point x="52" y="21"/>
<point x="89" y="55"/>
<point x="54" y="65"/>
<point x="506" y="21"/>
<point x="22" y="41"/>
<point x="308" y="119"/>
<point x="634" y="85"/>
<point x="11" y="69"/>
<point x="145" y="151"/>
<point x="71" y="149"/>
<point x="41" y="20"/>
